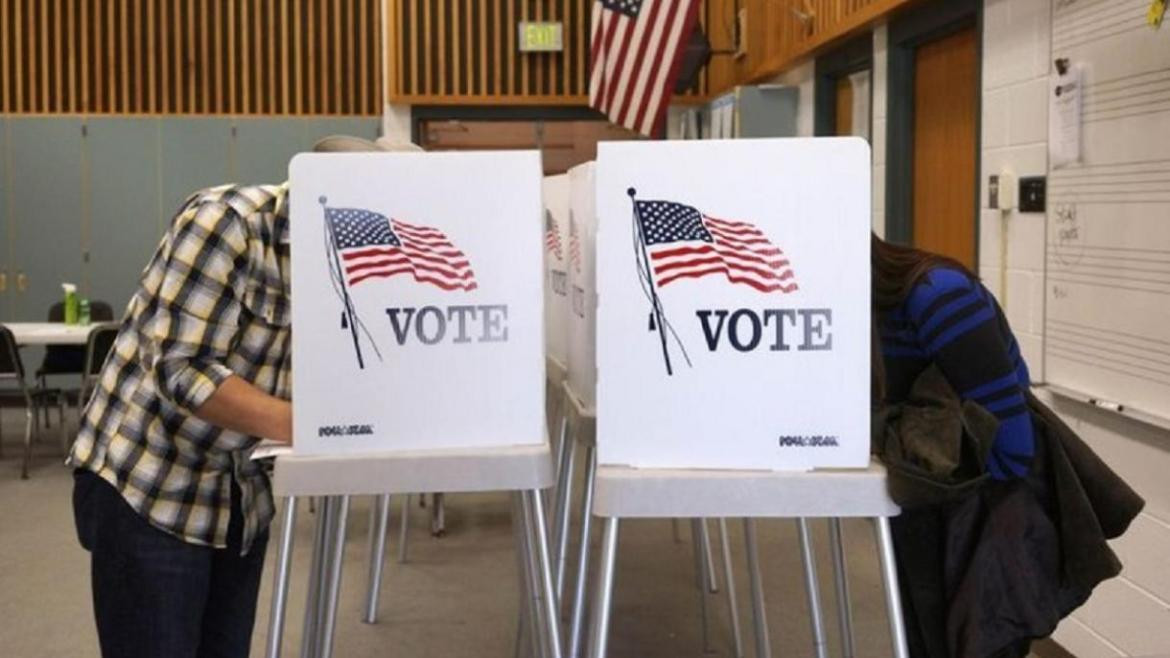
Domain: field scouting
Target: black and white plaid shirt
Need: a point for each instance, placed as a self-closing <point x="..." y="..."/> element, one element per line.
<point x="213" y="302"/>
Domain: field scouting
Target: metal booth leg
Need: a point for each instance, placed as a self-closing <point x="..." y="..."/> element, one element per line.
<point x="310" y="629"/>
<point x="732" y="601"/>
<point x="336" y="556"/>
<point x="812" y="587"/>
<point x="438" y="515"/>
<point x="576" y="621"/>
<point x="526" y="611"/>
<point x="544" y="562"/>
<point x="709" y="557"/>
<point x="890" y="578"/>
<point x="760" y="615"/>
<point x="280" y="579"/>
<point x="561" y="515"/>
<point x="404" y="529"/>
<point x="558" y="444"/>
<point x="841" y="580"/>
<point x="379" y="523"/>
<point x="603" y="601"/>
<point x="701" y="579"/>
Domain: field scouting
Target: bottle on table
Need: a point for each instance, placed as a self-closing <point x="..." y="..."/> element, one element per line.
<point x="71" y="303"/>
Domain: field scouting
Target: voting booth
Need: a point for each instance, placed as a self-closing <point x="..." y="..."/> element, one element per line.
<point x="555" y="195"/>
<point x="418" y="310"/>
<point x="733" y="353"/>
<point x="733" y="303"/>
<point x="582" y="312"/>
<point x="420" y="362"/>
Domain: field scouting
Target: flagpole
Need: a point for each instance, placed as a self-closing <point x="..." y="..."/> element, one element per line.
<point x="654" y="302"/>
<point x="336" y="262"/>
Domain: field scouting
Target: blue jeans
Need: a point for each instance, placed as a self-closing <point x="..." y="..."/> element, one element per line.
<point x="155" y="595"/>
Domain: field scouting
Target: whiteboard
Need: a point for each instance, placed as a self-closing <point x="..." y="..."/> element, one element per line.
<point x="1107" y="318"/>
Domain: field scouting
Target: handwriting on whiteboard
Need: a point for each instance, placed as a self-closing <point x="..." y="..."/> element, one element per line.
<point x="1069" y="244"/>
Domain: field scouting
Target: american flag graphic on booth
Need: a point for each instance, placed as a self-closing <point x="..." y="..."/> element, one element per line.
<point x="552" y="236"/>
<point x="370" y="245"/>
<point x="574" y="245"/>
<point x="682" y="243"/>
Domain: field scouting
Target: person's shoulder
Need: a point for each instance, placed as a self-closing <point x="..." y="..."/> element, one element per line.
<point x="218" y="209"/>
<point x="946" y="278"/>
<point x="241" y="200"/>
<point x="940" y="283"/>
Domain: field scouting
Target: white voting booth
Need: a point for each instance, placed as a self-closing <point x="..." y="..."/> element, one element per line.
<point x="733" y="347"/>
<point x="418" y="317"/>
<point x="733" y="279"/>
<point x="582" y="314"/>
<point x="555" y="194"/>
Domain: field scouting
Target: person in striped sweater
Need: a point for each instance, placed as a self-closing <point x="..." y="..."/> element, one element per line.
<point x="931" y="309"/>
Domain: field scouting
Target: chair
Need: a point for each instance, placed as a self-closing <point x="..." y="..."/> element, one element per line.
<point x="12" y="373"/>
<point x="69" y="359"/>
<point x="97" y="349"/>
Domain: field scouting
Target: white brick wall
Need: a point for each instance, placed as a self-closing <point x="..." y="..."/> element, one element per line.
<point x="1014" y="128"/>
<point x="1129" y="615"/>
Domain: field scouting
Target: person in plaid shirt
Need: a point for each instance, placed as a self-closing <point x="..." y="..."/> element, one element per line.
<point x="166" y="498"/>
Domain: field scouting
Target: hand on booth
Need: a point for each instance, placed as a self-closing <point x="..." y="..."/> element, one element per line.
<point x="239" y="406"/>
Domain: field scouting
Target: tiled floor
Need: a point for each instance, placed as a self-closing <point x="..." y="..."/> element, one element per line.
<point x="456" y="596"/>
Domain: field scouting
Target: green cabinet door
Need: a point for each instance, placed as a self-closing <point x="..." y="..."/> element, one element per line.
<point x="125" y="205"/>
<point x="194" y="153"/>
<point x="7" y="285"/>
<point x="263" y="147"/>
<point x="45" y="197"/>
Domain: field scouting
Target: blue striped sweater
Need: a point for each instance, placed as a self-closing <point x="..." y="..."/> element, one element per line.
<point x="952" y="320"/>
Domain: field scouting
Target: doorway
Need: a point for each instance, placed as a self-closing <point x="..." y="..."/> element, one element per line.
<point x="933" y="132"/>
<point x="946" y="91"/>
<point x="843" y="90"/>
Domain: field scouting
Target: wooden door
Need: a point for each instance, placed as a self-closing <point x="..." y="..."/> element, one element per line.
<point x="844" y="111"/>
<point x="946" y="84"/>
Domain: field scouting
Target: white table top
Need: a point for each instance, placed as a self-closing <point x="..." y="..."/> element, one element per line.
<point x="505" y="468"/>
<point x="696" y="493"/>
<point x="49" y="333"/>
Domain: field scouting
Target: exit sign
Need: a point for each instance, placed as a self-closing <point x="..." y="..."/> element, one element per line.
<point x="541" y="36"/>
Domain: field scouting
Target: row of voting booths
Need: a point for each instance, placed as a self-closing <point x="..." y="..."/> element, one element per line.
<point x="691" y="318"/>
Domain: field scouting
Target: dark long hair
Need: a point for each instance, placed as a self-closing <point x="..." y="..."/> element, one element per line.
<point x="895" y="270"/>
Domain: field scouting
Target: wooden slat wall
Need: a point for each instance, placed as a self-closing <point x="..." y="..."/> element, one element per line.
<point x="780" y="33"/>
<point x="206" y="57"/>
<point x="464" y="52"/>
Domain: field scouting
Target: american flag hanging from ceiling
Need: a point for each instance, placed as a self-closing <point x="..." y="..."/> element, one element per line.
<point x="635" y="50"/>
